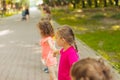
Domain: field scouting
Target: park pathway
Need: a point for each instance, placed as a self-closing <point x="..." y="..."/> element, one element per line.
<point x="20" y="52"/>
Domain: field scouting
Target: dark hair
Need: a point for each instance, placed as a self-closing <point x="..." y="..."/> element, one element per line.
<point x="46" y="28"/>
<point x="90" y="69"/>
<point x="67" y="33"/>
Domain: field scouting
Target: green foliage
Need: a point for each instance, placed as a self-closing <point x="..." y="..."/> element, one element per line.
<point x="84" y="3"/>
<point x="97" y="28"/>
<point x="24" y="2"/>
<point x="77" y="20"/>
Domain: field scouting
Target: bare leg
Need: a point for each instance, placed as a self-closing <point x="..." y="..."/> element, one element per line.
<point x="52" y="73"/>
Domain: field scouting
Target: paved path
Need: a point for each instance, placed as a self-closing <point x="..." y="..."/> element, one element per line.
<point x="19" y="53"/>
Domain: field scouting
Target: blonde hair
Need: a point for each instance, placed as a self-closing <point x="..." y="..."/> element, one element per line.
<point x="46" y="28"/>
<point x="66" y="33"/>
<point x="90" y="69"/>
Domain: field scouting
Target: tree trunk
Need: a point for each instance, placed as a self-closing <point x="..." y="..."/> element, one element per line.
<point x="89" y="3"/>
<point x="105" y="3"/>
<point x="83" y="3"/>
<point x="96" y="3"/>
<point x="111" y="2"/>
<point x="4" y="7"/>
<point x="116" y="2"/>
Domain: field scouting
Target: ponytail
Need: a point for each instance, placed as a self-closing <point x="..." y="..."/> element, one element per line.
<point x="75" y="45"/>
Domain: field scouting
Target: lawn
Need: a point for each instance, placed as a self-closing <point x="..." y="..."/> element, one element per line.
<point x="98" y="28"/>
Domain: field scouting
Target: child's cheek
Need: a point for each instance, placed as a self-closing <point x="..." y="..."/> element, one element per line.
<point x="58" y="42"/>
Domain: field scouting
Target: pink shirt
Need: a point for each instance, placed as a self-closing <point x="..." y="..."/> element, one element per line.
<point x="47" y="51"/>
<point x="67" y="58"/>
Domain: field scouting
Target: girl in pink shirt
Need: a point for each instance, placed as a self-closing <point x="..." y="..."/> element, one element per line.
<point x="68" y="54"/>
<point x="48" y="47"/>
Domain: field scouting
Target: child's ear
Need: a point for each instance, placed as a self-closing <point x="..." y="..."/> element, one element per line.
<point x="63" y="39"/>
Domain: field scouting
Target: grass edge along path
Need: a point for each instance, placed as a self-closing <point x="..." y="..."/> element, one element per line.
<point x="69" y="19"/>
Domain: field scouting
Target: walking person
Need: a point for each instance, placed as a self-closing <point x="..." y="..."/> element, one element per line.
<point x="27" y="12"/>
<point x="48" y="47"/>
<point x="46" y="13"/>
<point x="68" y="54"/>
<point x="23" y="13"/>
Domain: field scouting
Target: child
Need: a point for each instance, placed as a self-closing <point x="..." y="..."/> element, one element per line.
<point x="46" y="13"/>
<point x="27" y="12"/>
<point x="65" y="38"/>
<point x="48" y="46"/>
<point x="90" y="69"/>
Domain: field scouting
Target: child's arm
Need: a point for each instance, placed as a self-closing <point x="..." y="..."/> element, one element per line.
<point x="56" y="53"/>
<point x="52" y="46"/>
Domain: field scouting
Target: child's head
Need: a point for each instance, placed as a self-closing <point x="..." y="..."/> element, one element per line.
<point x="90" y="69"/>
<point x="45" y="28"/>
<point x="46" y="9"/>
<point x="65" y="35"/>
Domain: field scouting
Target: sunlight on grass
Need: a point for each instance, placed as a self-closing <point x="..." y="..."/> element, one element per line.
<point x="114" y="62"/>
<point x="115" y="27"/>
<point x="79" y="28"/>
<point x="104" y="54"/>
<point x="98" y="29"/>
<point x="72" y="18"/>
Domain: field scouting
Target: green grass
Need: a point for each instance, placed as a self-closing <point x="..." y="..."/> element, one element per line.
<point x="99" y="29"/>
<point x="103" y="40"/>
<point x="116" y="16"/>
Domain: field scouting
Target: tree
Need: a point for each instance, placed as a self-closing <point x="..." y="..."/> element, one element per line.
<point x="96" y="3"/>
<point x="83" y="3"/>
<point x="116" y="2"/>
<point x="74" y="2"/>
<point x="105" y="3"/>
<point x="4" y="7"/>
<point x="24" y="2"/>
<point x="89" y="3"/>
<point x="111" y="2"/>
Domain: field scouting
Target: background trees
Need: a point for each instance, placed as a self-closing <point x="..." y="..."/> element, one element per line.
<point x="83" y="3"/>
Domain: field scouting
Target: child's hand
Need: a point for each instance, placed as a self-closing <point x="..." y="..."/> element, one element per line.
<point x="55" y="53"/>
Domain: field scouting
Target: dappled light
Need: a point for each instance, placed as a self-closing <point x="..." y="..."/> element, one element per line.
<point x="72" y="18"/>
<point x="79" y="10"/>
<point x="115" y="27"/>
<point x="5" y="32"/>
<point x="99" y="29"/>
<point x="80" y="28"/>
<point x="80" y="16"/>
<point x="2" y="45"/>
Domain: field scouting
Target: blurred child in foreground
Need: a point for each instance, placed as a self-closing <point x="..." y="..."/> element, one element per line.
<point x="90" y="69"/>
